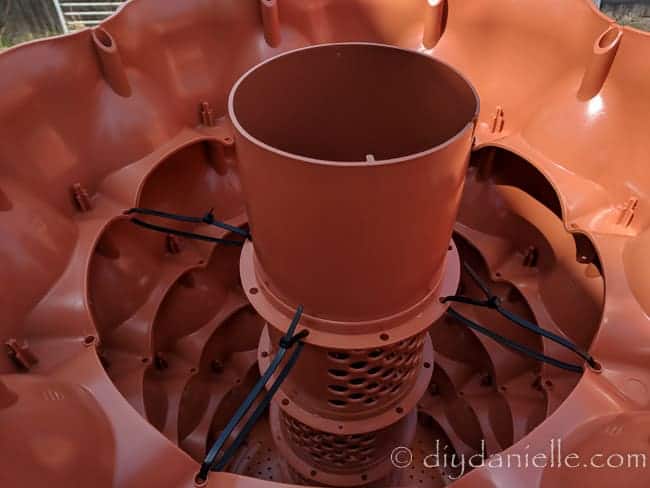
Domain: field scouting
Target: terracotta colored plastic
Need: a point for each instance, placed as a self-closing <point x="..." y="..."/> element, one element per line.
<point x="353" y="167"/>
<point x="127" y="351"/>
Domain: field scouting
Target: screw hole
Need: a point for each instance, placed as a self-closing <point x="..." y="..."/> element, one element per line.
<point x="253" y="291"/>
<point x="384" y="337"/>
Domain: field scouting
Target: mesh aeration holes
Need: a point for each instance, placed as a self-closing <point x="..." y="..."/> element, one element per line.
<point x="337" y="373"/>
<point x="358" y="365"/>
<point x="375" y="353"/>
<point x="337" y="388"/>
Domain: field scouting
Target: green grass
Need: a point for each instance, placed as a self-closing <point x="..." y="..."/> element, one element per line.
<point x="6" y="43"/>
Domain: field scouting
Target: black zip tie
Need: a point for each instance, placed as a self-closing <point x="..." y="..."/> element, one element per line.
<point x="259" y="411"/>
<point x="189" y="235"/>
<point x="493" y="302"/>
<point x="207" y="219"/>
<point x="287" y="341"/>
<point x="574" y="368"/>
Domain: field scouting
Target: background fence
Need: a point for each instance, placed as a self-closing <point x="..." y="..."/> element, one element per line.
<point x="75" y="14"/>
<point x="23" y="20"/>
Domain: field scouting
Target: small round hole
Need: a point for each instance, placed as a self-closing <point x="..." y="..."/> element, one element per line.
<point x="285" y="402"/>
<point x="384" y="337"/>
<point x="427" y="365"/>
<point x="253" y="291"/>
<point x="399" y="410"/>
<point x="358" y="365"/>
<point x="338" y="355"/>
<point x="337" y="403"/>
<point x="596" y="367"/>
<point x="339" y="373"/>
<point x="89" y="340"/>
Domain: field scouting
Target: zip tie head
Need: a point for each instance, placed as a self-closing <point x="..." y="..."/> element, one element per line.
<point x="288" y="343"/>
<point x="208" y="218"/>
<point x="493" y="302"/>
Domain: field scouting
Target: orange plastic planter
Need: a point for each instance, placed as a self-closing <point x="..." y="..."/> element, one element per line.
<point x="355" y="151"/>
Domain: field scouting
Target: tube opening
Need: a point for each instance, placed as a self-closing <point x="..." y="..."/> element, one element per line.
<point x="609" y="38"/>
<point x="343" y="102"/>
<point x="103" y="39"/>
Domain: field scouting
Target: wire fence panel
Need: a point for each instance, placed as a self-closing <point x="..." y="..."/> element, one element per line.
<point x="77" y="14"/>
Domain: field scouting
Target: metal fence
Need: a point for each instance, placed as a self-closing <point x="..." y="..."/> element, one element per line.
<point x="76" y="14"/>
